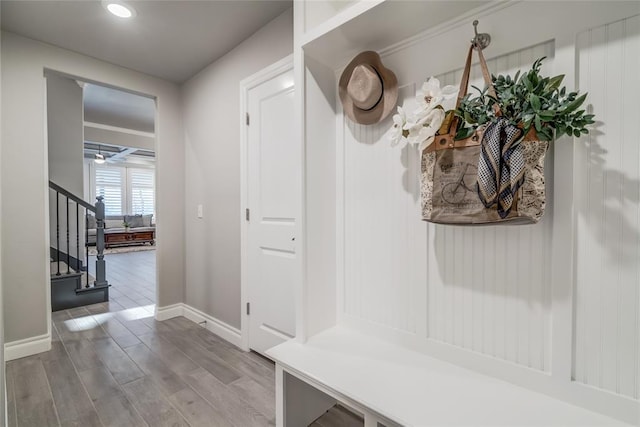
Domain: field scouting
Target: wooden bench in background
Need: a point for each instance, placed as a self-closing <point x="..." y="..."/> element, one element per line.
<point x="131" y="237"/>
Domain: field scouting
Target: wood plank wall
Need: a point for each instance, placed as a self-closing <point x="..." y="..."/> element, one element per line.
<point x="607" y="212"/>
<point x="488" y="289"/>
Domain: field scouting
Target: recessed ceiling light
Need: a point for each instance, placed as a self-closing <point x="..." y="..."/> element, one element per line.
<point x="119" y="9"/>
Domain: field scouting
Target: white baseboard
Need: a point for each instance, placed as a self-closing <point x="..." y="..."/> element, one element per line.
<point x="168" y="312"/>
<point x="218" y="327"/>
<point x="27" y="347"/>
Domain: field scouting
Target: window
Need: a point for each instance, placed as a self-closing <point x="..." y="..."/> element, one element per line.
<point x="109" y="182"/>
<point x="142" y="191"/>
<point x="126" y="190"/>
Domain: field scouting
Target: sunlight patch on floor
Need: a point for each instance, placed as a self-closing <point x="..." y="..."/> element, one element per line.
<point x="136" y="313"/>
<point x="86" y="323"/>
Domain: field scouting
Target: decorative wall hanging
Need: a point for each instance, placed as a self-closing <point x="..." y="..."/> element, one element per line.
<point x="483" y="161"/>
<point x="368" y="90"/>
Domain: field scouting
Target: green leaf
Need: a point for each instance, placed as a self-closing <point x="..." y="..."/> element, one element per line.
<point x="561" y="130"/>
<point x="464" y="133"/>
<point x="538" y="123"/>
<point x="574" y="104"/>
<point x="546" y="134"/>
<point x="576" y="133"/>
<point x="554" y="82"/>
<point x="546" y="115"/>
<point x="527" y="83"/>
<point x="535" y="103"/>
<point x="468" y="118"/>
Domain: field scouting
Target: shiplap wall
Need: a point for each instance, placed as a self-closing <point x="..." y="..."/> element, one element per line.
<point x="489" y="289"/>
<point x="499" y="304"/>
<point x="607" y="169"/>
<point x="483" y="289"/>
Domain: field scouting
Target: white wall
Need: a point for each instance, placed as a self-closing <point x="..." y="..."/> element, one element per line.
<point x="64" y="131"/>
<point x="65" y="149"/>
<point x="119" y="136"/>
<point x="212" y="143"/>
<point x="25" y="206"/>
<point x="3" y="383"/>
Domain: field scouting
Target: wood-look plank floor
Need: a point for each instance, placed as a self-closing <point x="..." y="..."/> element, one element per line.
<point x="113" y="364"/>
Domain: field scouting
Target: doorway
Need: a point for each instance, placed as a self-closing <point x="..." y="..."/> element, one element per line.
<point x="101" y="143"/>
<point x="119" y="166"/>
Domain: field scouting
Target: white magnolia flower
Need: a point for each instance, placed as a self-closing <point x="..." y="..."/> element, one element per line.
<point x="431" y="95"/>
<point x="396" y="134"/>
<point x="422" y="131"/>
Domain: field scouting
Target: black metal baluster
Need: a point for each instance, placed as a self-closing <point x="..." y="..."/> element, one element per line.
<point x="68" y="248"/>
<point x="78" y="269"/>
<point x="86" y="242"/>
<point x="58" y="232"/>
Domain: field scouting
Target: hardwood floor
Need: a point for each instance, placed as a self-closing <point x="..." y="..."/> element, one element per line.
<point x="113" y="364"/>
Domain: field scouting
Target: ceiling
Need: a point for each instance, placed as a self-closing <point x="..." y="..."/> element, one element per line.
<point x="118" y="108"/>
<point x="115" y="154"/>
<point x="172" y="40"/>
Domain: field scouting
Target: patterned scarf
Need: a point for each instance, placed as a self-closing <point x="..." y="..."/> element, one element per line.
<point x="500" y="166"/>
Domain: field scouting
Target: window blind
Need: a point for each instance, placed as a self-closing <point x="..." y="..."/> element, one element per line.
<point x="142" y="191"/>
<point x="109" y="182"/>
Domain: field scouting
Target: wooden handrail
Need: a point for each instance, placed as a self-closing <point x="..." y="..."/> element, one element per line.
<point x="71" y="196"/>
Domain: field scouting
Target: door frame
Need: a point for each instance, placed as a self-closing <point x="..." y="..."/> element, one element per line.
<point x="282" y="66"/>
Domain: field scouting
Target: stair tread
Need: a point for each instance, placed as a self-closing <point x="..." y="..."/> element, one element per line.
<point x="65" y="274"/>
<point x="63" y="268"/>
<point x="71" y="273"/>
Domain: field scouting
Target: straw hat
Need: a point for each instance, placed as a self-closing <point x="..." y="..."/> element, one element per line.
<point x="368" y="90"/>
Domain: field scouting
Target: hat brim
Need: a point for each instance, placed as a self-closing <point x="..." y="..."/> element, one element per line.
<point x="389" y="97"/>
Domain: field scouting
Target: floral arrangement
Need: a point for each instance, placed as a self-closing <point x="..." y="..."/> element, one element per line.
<point x="528" y="100"/>
<point x="421" y="127"/>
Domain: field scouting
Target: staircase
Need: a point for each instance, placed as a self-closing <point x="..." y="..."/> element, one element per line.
<point x="71" y="284"/>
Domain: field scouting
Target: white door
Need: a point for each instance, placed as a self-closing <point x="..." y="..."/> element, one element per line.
<point x="273" y="184"/>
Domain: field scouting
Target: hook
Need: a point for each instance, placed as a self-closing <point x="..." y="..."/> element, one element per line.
<point x="481" y="40"/>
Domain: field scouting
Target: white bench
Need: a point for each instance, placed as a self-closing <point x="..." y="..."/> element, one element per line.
<point x="390" y="386"/>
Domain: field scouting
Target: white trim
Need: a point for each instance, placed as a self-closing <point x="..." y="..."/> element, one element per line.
<point x="168" y="312"/>
<point x="338" y="20"/>
<point x="299" y="123"/>
<point x="119" y="129"/>
<point x="563" y="238"/>
<point x="218" y="327"/>
<point x="27" y="347"/>
<point x="47" y="230"/>
<point x="282" y="66"/>
<point x="460" y="20"/>
<point x="340" y="209"/>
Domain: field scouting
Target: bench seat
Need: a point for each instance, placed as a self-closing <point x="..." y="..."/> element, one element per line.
<point x="396" y="386"/>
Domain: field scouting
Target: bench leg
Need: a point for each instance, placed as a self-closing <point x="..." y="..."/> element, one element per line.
<point x="279" y="396"/>
<point x="298" y="403"/>
<point x="370" y="420"/>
